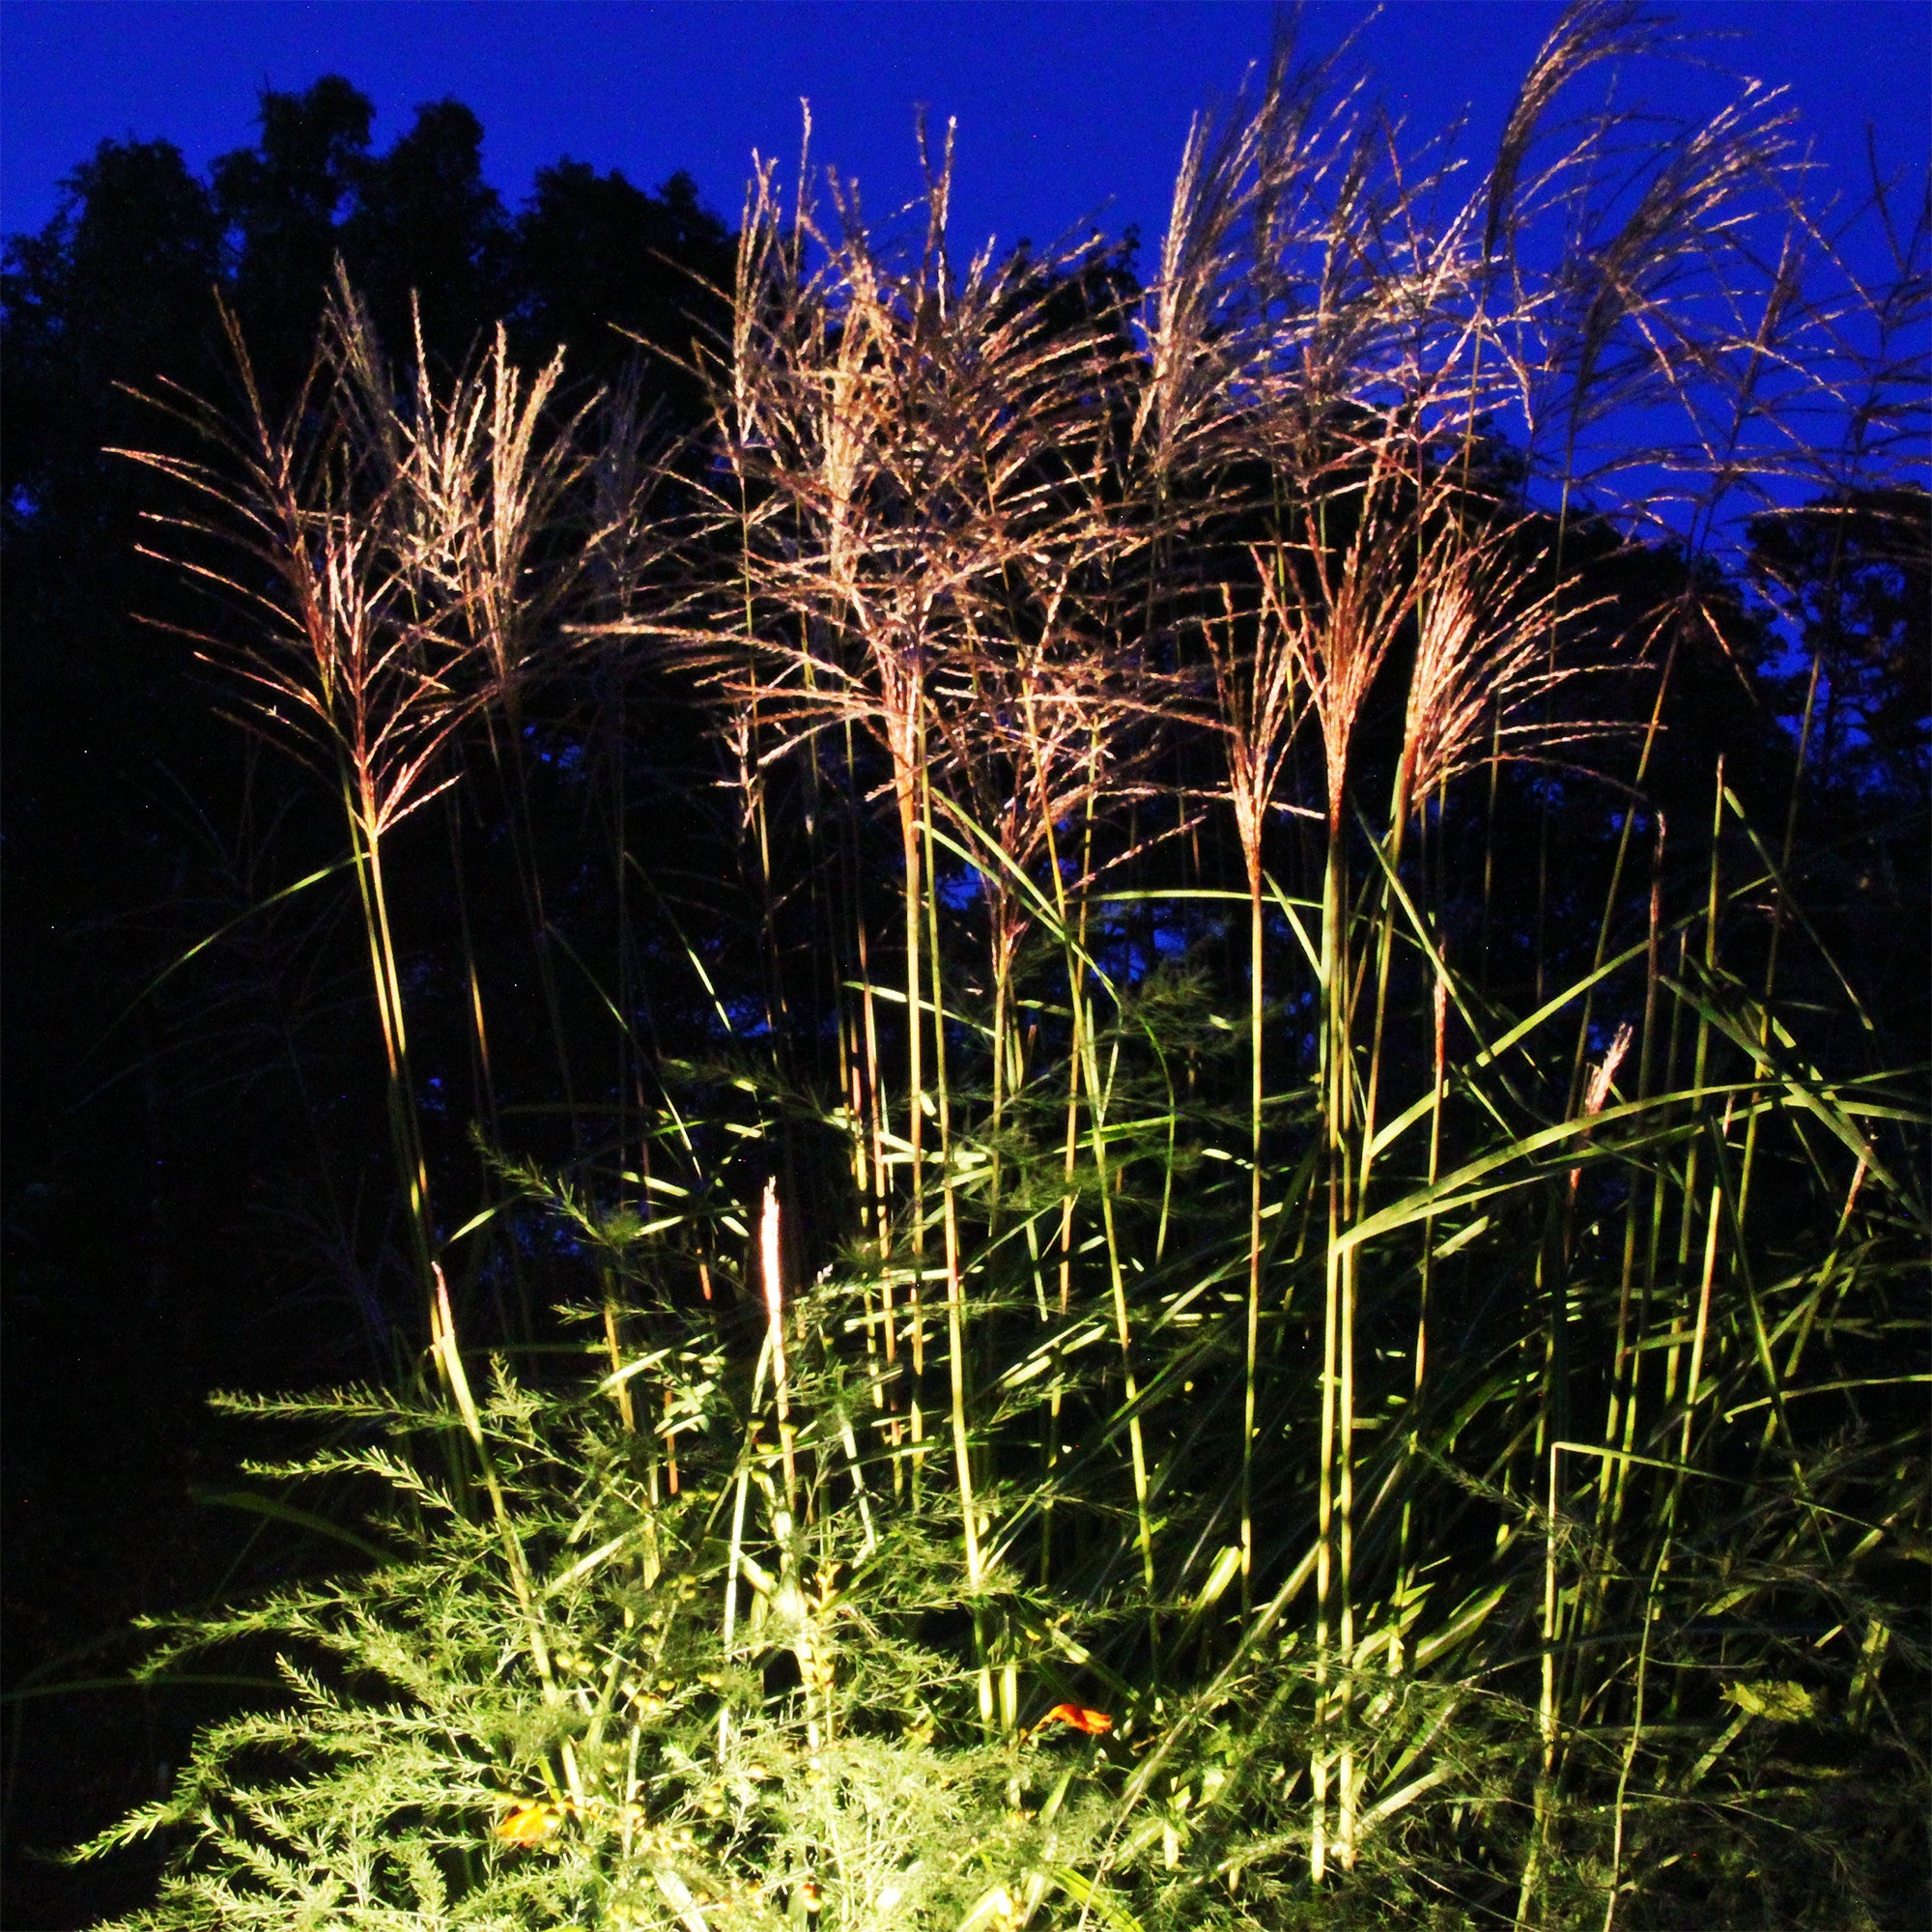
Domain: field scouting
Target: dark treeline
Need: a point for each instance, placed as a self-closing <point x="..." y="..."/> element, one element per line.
<point x="144" y="1138"/>
<point x="200" y="1187"/>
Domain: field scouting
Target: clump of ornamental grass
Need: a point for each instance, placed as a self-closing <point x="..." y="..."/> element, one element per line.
<point x="1244" y="1295"/>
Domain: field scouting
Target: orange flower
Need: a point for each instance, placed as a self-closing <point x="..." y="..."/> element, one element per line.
<point x="1092" y="1722"/>
<point x="530" y="1822"/>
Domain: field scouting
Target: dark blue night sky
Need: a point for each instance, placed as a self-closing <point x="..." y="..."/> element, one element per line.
<point x="1067" y="111"/>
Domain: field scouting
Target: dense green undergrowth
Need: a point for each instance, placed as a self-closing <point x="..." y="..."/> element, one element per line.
<point x="1206" y="1243"/>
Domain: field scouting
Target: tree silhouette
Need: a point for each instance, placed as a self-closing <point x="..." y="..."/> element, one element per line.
<point x="146" y="1144"/>
<point x="426" y="223"/>
<point x="280" y="203"/>
<point x="1854" y="573"/>
<point x="599" y="264"/>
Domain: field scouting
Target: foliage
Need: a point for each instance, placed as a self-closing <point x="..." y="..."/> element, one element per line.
<point x="590" y="1746"/>
<point x="1249" y="1261"/>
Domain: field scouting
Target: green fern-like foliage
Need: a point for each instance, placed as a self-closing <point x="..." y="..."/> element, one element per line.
<point x="455" y="1750"/>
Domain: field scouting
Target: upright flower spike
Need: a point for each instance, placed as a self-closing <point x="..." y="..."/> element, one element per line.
<point x="768" y="1256"/>
<point x="1598" y="1091"/>
<point x="769" y="1250"/>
